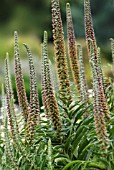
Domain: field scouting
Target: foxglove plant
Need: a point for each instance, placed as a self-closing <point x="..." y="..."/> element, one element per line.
<point x="22" y="98"/>
<point x="112" y="48"/>
<point x="89" y="30"/>
<point x="61" y="61"/>
<point x="50" y="99"/>
<point x="112" y="88"/>
<point x="8" y="154"/>
<point x="100" y="70"/>
<point x="99" y="116"/>
<point x="10" y="103"/>
<point x="44" y="101"/>
<point x="92" y="50"/>
<point x="72" y="47"/>
<point x="83" y="82"/>
<point x="34" y="113"/>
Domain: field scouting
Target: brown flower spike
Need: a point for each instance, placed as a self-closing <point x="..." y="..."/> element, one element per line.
<point x="99" y="114"/>
<point x="22" y="98"/>
<point x="89" y="30"/>
<point x="61" y="61"/>
<point x="34" y="114"/>
<point x="72" y="47"/>
<point x="50" y="99"/>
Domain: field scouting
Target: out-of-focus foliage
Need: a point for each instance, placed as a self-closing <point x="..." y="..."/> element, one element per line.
<point x="25" y="16"/>
<point x="34" y="16"/>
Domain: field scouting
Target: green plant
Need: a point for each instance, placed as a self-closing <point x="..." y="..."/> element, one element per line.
<point x="71" y="133"/>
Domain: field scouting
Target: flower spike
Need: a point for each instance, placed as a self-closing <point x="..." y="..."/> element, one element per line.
<point x="89" y="30"/>
<point x="50" y="99"/>
<point x="61" y="61"/>
<point x="22" y="98"/>
<point x="72" y="47"/>
<point x="33" y="116"/>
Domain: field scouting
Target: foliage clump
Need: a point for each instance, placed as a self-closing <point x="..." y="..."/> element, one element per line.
<point x="68" y="133"/>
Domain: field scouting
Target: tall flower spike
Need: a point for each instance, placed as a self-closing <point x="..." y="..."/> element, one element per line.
<point x="7" y="137"/>
<point x="99" y="80"/>
<point x="89" y="30"/>
<point x="83" y="82"/>
<point x="112" y="91"/>
<point x="20" y="82"/>
<point x="43" y="88"/>
<point x="33" y="116"/>
<point x="112" y="48"/>
<point x="99" y="116"/>
<point x="8" y="148"/>
<point x="61" y="61"/>
<point x="3" y="101"/>
<point x="11" y="109"/>
<point x="8" y="97"/>
<point x="72" y="47"/>
<point x="10" y="106"/>
<point x="8" y="75"/>
<point x="50" y="99"/>
<point x="100" y="69"/>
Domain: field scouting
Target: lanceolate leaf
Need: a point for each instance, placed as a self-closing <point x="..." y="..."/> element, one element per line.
<point x="88" y="164"/>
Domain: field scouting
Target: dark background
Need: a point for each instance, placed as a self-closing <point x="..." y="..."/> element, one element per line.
<point x="28" y="16"/>
<point x="31" y="17"/>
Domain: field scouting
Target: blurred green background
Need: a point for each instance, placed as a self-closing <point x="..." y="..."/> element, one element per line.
<point x="31" y="17"/>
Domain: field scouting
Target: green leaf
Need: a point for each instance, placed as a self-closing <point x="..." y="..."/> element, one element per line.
<point x="77" y="162"/>
<point x="84" y="142"/>
<point x="75" y="110"/>
<point x="84" y="151"/>
<point x="96" y="165"/>
<point x="77" y="166"/>
<point x="78" y="136"/>
<point x="68" y="143"/>
<point x="62" y="160"/>
<point x="78" y="115"/>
